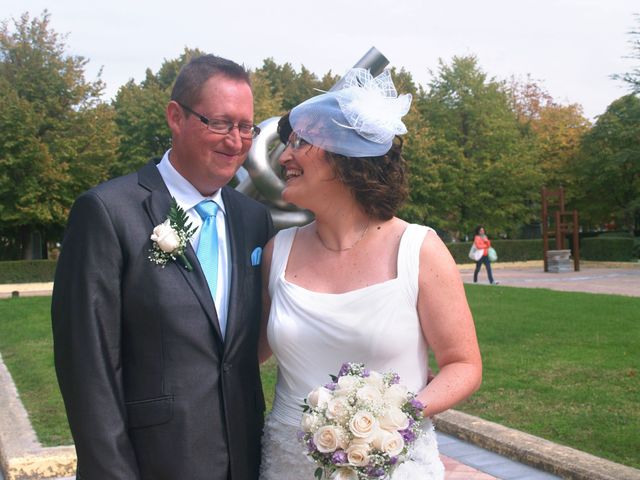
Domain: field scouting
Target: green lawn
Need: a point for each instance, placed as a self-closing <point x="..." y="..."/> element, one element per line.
<point x="563" y="366"/>
<point x="26" y="348"/>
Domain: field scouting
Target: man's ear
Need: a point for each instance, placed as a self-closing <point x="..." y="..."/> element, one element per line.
<point x="175" y="116"/>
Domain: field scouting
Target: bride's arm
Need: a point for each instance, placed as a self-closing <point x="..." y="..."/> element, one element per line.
<point x="264" y="351"/>
<point x="448" y="326"/>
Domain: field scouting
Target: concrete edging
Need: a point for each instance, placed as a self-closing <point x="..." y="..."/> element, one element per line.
<point x="22" y="457"/>
<point x="565" y="462"/>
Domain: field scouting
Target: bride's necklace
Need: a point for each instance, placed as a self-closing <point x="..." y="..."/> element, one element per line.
<point x="337" y="250"/>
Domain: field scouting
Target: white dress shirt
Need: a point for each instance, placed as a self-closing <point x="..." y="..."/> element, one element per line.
<point x="187" y="197"/>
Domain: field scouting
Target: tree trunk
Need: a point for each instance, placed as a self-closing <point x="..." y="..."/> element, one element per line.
<point x="31" y="243"/>
<point x="26" y="243"/>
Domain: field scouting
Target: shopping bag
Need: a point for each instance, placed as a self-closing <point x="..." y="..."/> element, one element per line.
<point x="475" y="254"/>
<point x="493" y="255"/>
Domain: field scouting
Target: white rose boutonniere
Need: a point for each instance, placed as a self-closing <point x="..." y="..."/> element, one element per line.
<point x="170" y="238"/>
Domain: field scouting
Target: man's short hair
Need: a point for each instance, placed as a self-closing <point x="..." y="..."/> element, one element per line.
<point x="194" y="75"/>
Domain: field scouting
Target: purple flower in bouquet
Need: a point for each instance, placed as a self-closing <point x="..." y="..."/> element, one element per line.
<point x="375" y="471"/>
<point x="417" y="404"/>
<point x="408" y="435"/>
<point x="344" y="369"/>
<point x="311" y="446"/>
<point x="339" y="457"/>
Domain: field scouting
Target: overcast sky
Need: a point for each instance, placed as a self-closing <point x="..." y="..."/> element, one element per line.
<point x="570" y="46"/>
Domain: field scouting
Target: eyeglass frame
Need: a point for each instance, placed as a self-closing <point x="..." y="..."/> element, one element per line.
<point x="255" y="130"/>
<point x="297" y="143"/>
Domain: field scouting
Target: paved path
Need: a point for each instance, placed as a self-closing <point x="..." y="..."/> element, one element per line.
<point x="465" y="461"/>
<point x="593" y="277"/>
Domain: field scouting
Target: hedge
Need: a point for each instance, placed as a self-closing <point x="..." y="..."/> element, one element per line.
<point x="508" y="250"/>
<point x="26" y="271"/>
<point x="607" y="249"/>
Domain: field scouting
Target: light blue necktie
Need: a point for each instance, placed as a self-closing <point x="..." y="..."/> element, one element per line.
<point x="208" y="245"/>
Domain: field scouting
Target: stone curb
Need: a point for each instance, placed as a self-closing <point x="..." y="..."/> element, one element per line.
<point x="26" y="289"/>
<point x="22" y="457"/>
<point x="565" y="462"/>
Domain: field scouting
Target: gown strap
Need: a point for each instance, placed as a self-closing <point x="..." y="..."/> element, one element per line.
<point x="409" y="258"/>
<point x="282" y="244"/>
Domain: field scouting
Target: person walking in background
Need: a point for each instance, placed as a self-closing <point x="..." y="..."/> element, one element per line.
<point x="482" y="242"/>
<point x="157" y="300"/>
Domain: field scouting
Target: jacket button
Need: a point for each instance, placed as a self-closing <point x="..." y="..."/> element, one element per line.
<point x="226" y="367"/>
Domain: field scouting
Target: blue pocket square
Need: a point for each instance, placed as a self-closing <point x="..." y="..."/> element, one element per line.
<point x="256" y="256"/>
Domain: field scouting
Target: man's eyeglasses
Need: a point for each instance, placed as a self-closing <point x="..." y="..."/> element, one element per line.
<point x="224" y="127"/>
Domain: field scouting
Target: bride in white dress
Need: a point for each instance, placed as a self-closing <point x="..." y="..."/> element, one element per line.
<point x="358" y="284"/>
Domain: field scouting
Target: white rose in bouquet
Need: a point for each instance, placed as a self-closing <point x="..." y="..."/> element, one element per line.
<point x="396" y="395"/>
<point x="358" y="454"/>
<point x="375" y="379"/>
<point x="370" y="395"/>
<point x="328" y="438"/>
<point x="338" y="408"/>
<point x="319" y="397"/>
<point x="394" y="419"/>
<point x="344" y="474"/>
<point x="347" y="383"/>
<point x="309" y="422"/>
<point x="391" y="443"/>
<point x="363" y="424"/>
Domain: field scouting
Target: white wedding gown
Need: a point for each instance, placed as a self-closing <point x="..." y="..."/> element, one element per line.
<point x="312" y="334"/>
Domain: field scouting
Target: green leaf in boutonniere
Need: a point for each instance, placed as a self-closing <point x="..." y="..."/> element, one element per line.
<point x="170" y="238"/>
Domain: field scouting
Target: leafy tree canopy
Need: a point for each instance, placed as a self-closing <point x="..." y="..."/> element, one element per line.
<point x="58" y="138"/>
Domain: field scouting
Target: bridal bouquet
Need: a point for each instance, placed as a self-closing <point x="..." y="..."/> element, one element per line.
<point x="361" y="425"/>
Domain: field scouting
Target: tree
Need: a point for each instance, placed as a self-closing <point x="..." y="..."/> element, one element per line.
<point x="633" y="77"/>
<point x="141" y="123"/>
<point x="266" y="103"/>
<point x="140" y="115"/>
<point x="554" y="131"/>
<point x="294" y="88"/>
<point x="609" y="166"/>
<point x="481" y="162"/>
<point x="58" y="139"/>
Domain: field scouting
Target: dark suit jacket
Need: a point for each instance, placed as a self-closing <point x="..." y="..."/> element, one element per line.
<point x="150" y="388"/>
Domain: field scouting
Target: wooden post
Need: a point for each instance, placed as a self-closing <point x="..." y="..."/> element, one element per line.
<point x="576" y="242"/>
<point x="561" y="227"/>
<point x="545" y="229"/>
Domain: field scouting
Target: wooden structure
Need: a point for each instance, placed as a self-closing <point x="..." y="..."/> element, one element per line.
<point x="557" y="223"/>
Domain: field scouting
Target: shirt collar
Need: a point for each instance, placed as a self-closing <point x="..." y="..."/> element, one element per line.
<point x="186" y="195"/>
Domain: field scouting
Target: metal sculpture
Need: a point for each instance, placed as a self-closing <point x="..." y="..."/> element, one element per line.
<point x="260" y="177"/>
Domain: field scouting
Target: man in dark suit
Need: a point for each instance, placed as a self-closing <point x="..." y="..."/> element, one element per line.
<point x="158" y="364"/>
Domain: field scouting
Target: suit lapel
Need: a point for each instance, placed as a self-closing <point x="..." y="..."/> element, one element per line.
<point x="157" y="207"/>
<point x="236" y="247"/>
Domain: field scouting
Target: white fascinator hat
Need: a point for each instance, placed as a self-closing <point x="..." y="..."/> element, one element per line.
<point x="358" y="120"/>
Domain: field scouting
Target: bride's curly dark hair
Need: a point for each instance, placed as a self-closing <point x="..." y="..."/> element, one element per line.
<point x="379" y="184"/>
